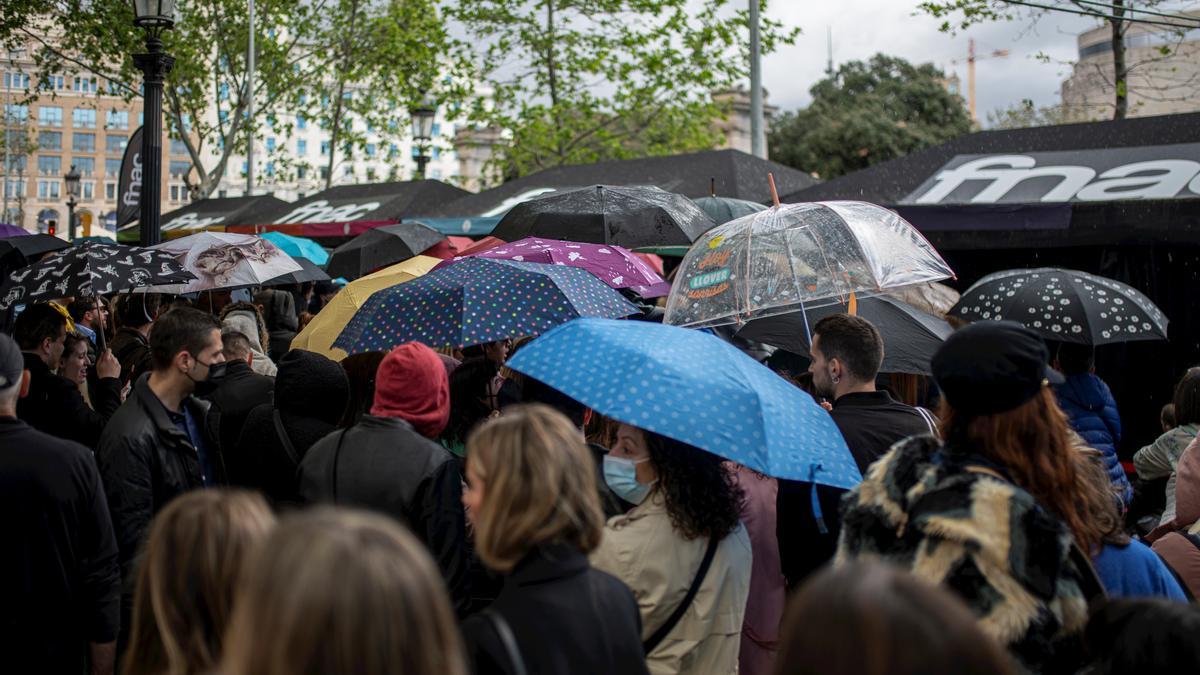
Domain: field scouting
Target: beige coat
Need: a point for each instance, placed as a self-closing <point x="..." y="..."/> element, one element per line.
<point x="642" y="549"/>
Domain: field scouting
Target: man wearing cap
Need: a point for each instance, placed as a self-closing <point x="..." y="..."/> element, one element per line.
<point x="388" y="462"/>
<point x="58" y="574"/>
<point x="997" y="513"/>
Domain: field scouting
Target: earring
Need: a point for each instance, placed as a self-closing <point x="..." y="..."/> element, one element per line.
<point x="836" y="379"/>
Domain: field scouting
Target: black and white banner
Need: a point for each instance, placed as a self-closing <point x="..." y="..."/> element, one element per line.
<point x="129" y="187"/>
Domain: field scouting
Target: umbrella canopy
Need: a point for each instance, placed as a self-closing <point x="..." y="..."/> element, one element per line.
<point x="226" y="260"/>
<point x="482" y="245"/>
<point x="319" y="334"/>
<point x="20" y="250"/>
<point x="90" y="269"/>
<point x="613" y="265"/>
<point x="910" y="336"/>
<point x="95" y="239"/>
<point x="695" y="388"/>
<point x="298" y="247"/>
<point x="605" y="214"/>
<point x="10" y="230"/>
<point x="1064" y="305"/>
<point x="308" y="273"/>
<point x="794" y="255"/>
<point x="724" y="209"/>
<point x="380" y="247"/>
<point x="478" y="301"/>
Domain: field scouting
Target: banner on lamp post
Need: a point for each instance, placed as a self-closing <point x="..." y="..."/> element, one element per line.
<point x="129" y="187"/>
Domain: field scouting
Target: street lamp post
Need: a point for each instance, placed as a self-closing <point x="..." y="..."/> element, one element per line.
<point x="422" y="131"/>
<point x="72" y="179"/>
<point x="154" y="16"/>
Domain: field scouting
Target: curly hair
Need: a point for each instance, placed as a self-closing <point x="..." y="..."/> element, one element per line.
<point x="701" y="496"/>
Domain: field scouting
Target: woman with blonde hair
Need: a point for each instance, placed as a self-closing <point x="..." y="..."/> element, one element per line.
<point x="532" y="499"/>
<point x="187" y="578"/>
<point x="342" y="592"/>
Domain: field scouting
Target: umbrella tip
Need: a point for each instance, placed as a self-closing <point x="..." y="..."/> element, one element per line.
<point x="712" y="186"/>
<point x="774" y="192"/>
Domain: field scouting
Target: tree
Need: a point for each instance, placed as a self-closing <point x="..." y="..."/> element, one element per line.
<point x="868" y="113"/>
<point x="1028" y="115"/>
<point x="579" y="81"/>
<point x="1120" y="15"/>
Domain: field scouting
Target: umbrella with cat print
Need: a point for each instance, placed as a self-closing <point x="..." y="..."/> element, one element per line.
<point x="89" y="270"/>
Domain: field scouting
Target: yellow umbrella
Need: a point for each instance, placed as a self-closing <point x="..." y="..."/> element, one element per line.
<point x="319" y="334"/>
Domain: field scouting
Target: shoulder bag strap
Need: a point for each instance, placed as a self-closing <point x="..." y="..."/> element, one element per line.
<point x="284" y="439"/>
<point x="665" y="629"/>
<point x="337" y="453"/>
<point x="508" y="640"/>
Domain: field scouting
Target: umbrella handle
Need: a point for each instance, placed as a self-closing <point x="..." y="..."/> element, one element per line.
<point x="100" y="340"/>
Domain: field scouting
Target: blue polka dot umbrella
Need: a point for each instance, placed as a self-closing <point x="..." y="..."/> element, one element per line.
<point x="476" y="301"/>
<point x="695" y="388"/>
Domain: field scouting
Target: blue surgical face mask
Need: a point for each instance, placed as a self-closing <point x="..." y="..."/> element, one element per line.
<point x="621" y="475"/>
<point x="241" y="295"/>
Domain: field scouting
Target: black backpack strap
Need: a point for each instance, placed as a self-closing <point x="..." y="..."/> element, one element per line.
<point x="284" y="439"/>
<point x="665" y="629"/>
<point x="337" y="453"/>
<point x="508" y="640"/>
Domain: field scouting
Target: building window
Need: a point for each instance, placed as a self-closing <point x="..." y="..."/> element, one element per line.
<point x="437" y="129"/>
<point x="86" y="166"/>
<point x="178" y="147"/>
<point x="271" y="169"/>
<point x="112" y="167"/>
<point x="48" y="189"/>
<point x="223" y="92"/>
<point x="50" y="116"/>
<point x="50" y="140"/>
<point x="324" y="173"/>
<point x="301" y="172"/>
<point x="84" y="85"/>
<point x="17" y="164"/>
<point x="180" y="168"/>
<point x="16" y="113"/>
<point x="83" y="142"/>
<point x="371" y="173"/>
<point x="110" y="191"/>
<point x="370" y="149"/>
<point x="83" y="118"/>
<point x="393" y="151"/>
<point x="222" y="193"/>
<point x="118" y="119"/>
<point x="49" y="165"/>
<point x="174" y="193"/>
<point x="16" y="81"/>
<point x="301" y="147"/>
<point x="115" y="143"/>
<point x="271" y="144"/>
<point x="301" y="122"/>
<point x="325" y="148"/>
<point x="15" y="187"/>
<point x="87" y="190"/>
<point x="349" y="170"/>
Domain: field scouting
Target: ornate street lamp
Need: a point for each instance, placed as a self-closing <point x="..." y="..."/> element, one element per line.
<point x="153" y="16"/>
<point x="72" y="179"/>
<point x="422" y="131"/>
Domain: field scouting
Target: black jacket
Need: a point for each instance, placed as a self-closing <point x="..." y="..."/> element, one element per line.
<point x="871" y="423"/>
<point x="566" y="617"/>
<point x="132" y="350"/>
<point x="55" y="406"/>
<point x="146" y="461"/>
<point x="237" y="394"/>
<point x="386" y="466"/>
<point x="59" y="578"/>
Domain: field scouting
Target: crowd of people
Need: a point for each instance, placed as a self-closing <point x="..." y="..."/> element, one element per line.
<point x="181" y="493"/>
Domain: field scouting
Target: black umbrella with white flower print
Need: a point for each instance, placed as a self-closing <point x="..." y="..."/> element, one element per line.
<point x="88" y="270"/>
<point x="1064" y="305"/>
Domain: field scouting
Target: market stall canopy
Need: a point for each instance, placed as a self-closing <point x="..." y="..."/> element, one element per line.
<point x="1108" y="182"/>
<point x="731" y="173"/>
<point x="205" y="213"/>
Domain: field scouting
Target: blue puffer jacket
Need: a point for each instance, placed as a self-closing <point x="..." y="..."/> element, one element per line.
<point x="1093" y="412"/>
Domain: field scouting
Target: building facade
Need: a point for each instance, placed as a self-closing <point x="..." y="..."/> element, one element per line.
<point x="52" y="124"/>
<point x="1158" y="83"/>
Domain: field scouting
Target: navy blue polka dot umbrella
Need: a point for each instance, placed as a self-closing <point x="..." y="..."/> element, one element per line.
<point x="479" y="300"/>
<point x="695" y="388"/>
<point x="1064" y="305"/>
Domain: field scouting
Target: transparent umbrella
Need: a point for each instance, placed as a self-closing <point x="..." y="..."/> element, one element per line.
<point x="790" y="256"/>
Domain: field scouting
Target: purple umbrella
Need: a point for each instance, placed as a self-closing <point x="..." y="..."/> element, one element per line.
<point x="7" y="230"/>
<point x="614" y="265"/>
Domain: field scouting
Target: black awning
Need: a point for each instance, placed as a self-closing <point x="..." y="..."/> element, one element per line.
<point x="385" y="202"/>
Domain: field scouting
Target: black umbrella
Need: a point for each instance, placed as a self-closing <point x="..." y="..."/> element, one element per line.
<point x="1064" y="305"/>
<point x="308" y="272"/>
<point x="17" y="252"/>
<point x="724" y="209"/>
<point x="605" y="214"/>
<point x="379" y="247"/>
<point x="910" y="336"/>
<point x="88" y="270"/>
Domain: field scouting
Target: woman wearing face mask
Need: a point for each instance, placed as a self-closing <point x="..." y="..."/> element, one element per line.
<point x="682" y="550"/>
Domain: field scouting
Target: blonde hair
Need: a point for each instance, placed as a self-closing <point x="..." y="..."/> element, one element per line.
<point x="539" y="485"/>
<point x="187" y="578"/>
<point x="339" y="592"/>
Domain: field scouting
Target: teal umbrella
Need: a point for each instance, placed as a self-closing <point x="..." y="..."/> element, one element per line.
<point x="298" y="247"/>
<point x="95" y="239"/>
<point x="724" y="209"/>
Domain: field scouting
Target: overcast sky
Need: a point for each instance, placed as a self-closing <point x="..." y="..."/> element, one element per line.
<point x="864" y="27"/>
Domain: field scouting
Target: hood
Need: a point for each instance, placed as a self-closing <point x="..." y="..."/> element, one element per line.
<point x="309" y="384"/>
<point x="246" y="324"/>
<point x="1085" y="391"/>
<point x="281" y="312"/>
<point x="411" y="384"/>
<point x="257" y="334"/>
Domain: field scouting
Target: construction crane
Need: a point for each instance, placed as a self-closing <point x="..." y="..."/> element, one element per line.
<point x="970" y="60"/>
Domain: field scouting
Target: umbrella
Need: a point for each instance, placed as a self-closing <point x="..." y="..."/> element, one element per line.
<point x="613" y="265"/>
<point x="226" y="260"/>
<point x="9" y="230"/>
<point x="1064" y="305"/>
<point x="724" y="209"/>
<point x="90" y="269"/>
<point x="308" y="272"/>
<point x="298" y="247"/>
<point x="319" y="334"/>
<point x="664" y="251"/>
<point x="95" y="239"/>
<point x="481" y="245"/>
<point x="449" y="247"/>
<point x="910" y="336"/>
<point x="477" y="301"/>
<point x="605" y="214"/>
<point x="797" y="255"/>
<point x="695" y="388"/>
<point x="21" y="250"/>
<point x="379" y="247"/>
